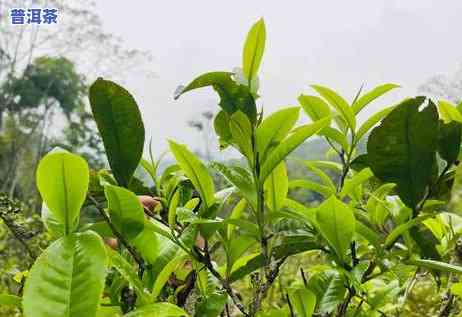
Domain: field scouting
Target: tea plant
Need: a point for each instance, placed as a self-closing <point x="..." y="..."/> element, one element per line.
<point x="389" y="215"/>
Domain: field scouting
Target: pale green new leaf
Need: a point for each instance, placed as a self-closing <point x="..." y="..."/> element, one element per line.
<point x="315" y="107"/>
<point x="164" y="275"/>
<point x="303" y="302"/>
<point x="275" y="128"/>
<point x="313" y="186"/>
<point x="125" y="210"/>
<point x="337" y="136"/>
<point x="62" y="180"/>
<point x="340" y="104"/>
<point x="329" y="288"/>
<point x="253" y="50"/>
<point x="336" y="222"/>
<point x="370" y="96"/>
<point x="399" y="230"/>
<point x="276" y="187"/>
<point x="449" y="112"/>
<point x="67" y="280"/>
<point x="291" y="143"/>
<point x="196" y="171"/>
<point x="352" y="183"/>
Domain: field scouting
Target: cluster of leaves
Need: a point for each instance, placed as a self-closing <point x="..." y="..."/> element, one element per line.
<point x="389" y="215"/>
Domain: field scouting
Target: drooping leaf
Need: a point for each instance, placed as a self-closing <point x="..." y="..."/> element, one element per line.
<point x="303" y="302"/>
<point x="253" y="50"/>
<point x="340" y="104"/>
<point x="67" y="280"/>
<point x="233" y="96"/>
<point x="336" y="222"/>
<point x="313" y="186"/>
<point x="370" y="96"/>
<point x="275" y="128"/>
<point x="402" y="149"/>
<point x="449" y="141"/>
<point x="119" y="122"/>
<point x="125" y="210"/>
<point x="158" y="310"/>
<point x="62" y="180"/>
<point x="276" y="187"/>
<point x="196" y="171"/>
<point x="289" y="144"/>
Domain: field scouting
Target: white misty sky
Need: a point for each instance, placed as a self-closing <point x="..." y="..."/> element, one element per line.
<point x="338" y="43"/>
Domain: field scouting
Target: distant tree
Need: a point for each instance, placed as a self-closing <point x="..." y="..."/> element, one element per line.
<point x="445" y="86"/>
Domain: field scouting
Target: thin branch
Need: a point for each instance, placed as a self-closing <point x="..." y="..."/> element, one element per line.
<point x="134" y="253"/>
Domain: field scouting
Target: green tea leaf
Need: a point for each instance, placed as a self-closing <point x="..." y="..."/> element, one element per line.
<point x="449" y="112"/>
<point x="303" y="302"/>
<point x="316" y="108"/>
<point x="212" y="305"/>
<point x="62" y="180"/>
<point x="338" y="103"/>
<point x="253" y="50"/>
<point x="399" y="230"/>
<point x="275" y="128"/>
<point x="352" y="183"/>
<point x="370" y="96"/>
<point x="372" y="121"/>
<point x="276" y="187"/>
<point x="233" y="97"/>
<point x="239" y="178"/>
<point x="10" y="300"/>
<point x="402" y="149"/>
<point x="125" y="210"/>
<point x="158" y="310"/>
<point x="172" y="210"/>
<point x="329" y="288"/>
<point x="289" y="144"/>
<point x="336" y="222"/>
<point x="241" y="131"/>
<point x="120" y="125"/>
<point x="196" y="171"/>
<point x="68" y="278"/>
<point x="172" y="266"/>
<point x="313" y="186"/>
<point x="126" y="271"/>
<point x="449" y="141"/>
<point x="436" y="265"/>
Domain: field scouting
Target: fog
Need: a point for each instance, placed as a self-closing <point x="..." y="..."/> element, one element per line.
<point x="342" y="44"/>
